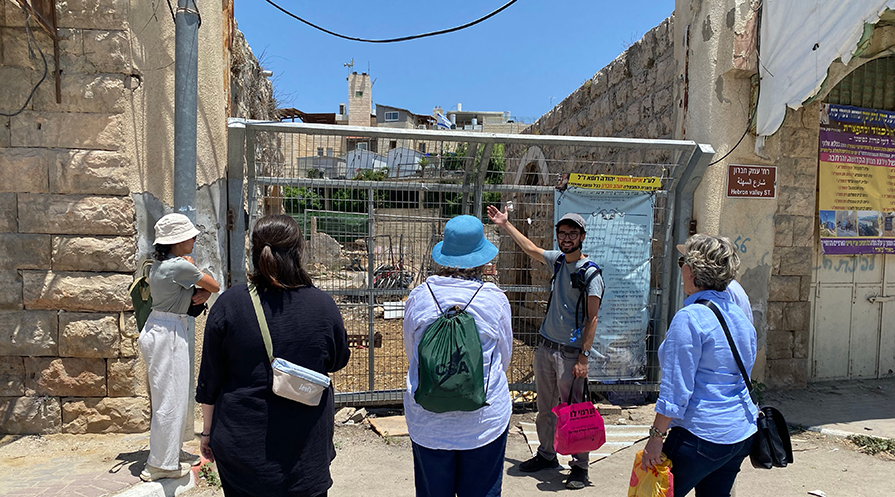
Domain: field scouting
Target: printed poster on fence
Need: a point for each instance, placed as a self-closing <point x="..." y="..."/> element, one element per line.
<point x="856" y="198"/>
<point x="619" y="234"/>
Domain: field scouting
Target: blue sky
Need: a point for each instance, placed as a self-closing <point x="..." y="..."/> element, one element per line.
<point x="515" y="61"/>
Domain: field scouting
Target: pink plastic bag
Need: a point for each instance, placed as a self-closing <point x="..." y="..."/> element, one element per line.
<point x="579" y="428"/>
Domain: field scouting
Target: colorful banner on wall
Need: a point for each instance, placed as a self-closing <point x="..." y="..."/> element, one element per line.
<point x="856" y="198"/>
<point x="619" y="238"/>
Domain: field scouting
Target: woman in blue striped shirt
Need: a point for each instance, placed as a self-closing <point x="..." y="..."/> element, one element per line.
<point x="703" y="398"/>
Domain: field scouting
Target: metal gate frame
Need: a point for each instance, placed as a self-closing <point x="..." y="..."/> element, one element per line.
<point x="243" y="185"/>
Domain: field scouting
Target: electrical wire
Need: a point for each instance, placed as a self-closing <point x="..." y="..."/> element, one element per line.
<point x="758" y="91"/>
<point x="42" y="56"/>
<point x="393" y="40"/>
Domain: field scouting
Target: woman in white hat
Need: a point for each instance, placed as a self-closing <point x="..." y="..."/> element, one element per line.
<point x="458" y="451"/>
<point x="173" y="282"/>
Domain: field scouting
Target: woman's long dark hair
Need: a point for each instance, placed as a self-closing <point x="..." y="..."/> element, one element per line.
<point x="277" y="245"/>
<point x="161" y="251"/>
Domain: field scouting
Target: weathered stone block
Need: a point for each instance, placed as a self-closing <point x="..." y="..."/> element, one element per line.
<point x="779" y="344"/>
<point x="795" y="261"/>
<point x="10" y="290"/>
<point x="4" y="131"/>
<point x="30" y="415"/>
<point x="127" y="377"/>
<point x="70" y="291"/>
<point x="67" y="130"/>
<point x="781" y="289"/>
<point x="599" y="83"/>
<point x="618" y="70"/>
<point x="75" y="214"/>
<point x="801" y="344"/>
<point x="787" y="373"/>
<point x="78" y="253"/>
<point x="16" y="86"/>
<point x="99" y="93"/>
<point x="108" y="51"/>
<point x="783" y="231"/>
<point x="93" y="14"/>
<point x="632" y="115"/>
<point x="16" y="52"/>
<point x="129" y="335"/>
<point x="663" y="99"/>
<point x="88" y="172"/>
<point x="798" y="142"/>
<point x="665" y="70"/>
<point x="20" y="251"/>
<point x="775" y="316"/>
<point x="88" y="335"/>
<point x="795" y="200"/>
<point x="12" y="377"/>
<point x="109" y="415"/>
<point x="8" y="206"/>
<point x="28" y="333"/>
<point x="797" y="316"/>
<point x="803" y="231"/>
<point x="65" y="377"/>
<point x="805" y="291"/>
<point x="22" y="169"/>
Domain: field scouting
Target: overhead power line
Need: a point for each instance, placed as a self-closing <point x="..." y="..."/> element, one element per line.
<point x="403" y="38"/>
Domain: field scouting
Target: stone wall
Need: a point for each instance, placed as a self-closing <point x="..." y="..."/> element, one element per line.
<point x="82" y="183"/>
<point x="794" y="151"/>
<point x="632" y="97"/>
<point x="67" y="239"/>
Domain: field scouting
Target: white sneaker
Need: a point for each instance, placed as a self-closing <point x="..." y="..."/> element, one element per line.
<point x="151" y="473"/>
<point x="191" y="459"/>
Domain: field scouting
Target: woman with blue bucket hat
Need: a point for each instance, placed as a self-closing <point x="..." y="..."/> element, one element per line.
<point x="459" y="452"/>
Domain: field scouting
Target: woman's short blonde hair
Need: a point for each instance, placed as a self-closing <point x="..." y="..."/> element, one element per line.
<point x="713" y="261"/>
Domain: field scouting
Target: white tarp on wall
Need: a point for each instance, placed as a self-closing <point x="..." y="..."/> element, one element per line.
<point x="799" y="41"/>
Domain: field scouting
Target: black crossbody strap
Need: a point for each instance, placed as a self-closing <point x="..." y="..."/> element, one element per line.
<point x="733" y="346"/>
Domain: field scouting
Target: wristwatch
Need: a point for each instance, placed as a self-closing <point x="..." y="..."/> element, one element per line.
<point x="585" y="353"/>
<point x="655" y="433"/>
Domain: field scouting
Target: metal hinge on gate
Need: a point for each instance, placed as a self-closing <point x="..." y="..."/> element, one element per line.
<point x="231" y="220"/>
<point x="880" y="298"/>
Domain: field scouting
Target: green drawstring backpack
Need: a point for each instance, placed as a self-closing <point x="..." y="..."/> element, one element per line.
<point x="451" y="370"/>
<point x="140" y="296"/>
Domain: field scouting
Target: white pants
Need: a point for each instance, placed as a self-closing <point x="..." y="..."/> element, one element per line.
<point x="165" y="350"/>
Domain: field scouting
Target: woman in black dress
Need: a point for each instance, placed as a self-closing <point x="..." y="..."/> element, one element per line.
<point x="265" y="444"/>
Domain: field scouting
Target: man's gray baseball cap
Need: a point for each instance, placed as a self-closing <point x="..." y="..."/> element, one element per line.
<point x="572" y="218"/>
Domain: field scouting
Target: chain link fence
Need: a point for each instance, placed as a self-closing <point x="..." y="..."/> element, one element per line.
<point x="373" y="202"/>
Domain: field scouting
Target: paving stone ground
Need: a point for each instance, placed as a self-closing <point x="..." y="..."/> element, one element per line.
<point x="98" y="465"/>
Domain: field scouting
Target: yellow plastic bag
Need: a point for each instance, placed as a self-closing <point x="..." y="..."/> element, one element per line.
<point x="654" y="482"/>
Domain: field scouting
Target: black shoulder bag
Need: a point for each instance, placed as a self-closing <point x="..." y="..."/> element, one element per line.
<point x="772" y="447"/>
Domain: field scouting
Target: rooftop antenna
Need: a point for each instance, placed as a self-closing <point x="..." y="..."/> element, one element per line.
<point x="349" y="65"/>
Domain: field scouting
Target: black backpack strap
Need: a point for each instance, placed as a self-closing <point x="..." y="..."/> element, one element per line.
<point x="556" y="267"/>
<point x="433" y="298"/>
<point x="582" y="295"/>
<point x="470" y="300"/>
<point x="464" y="307"/>
<point x="733" y="346"/>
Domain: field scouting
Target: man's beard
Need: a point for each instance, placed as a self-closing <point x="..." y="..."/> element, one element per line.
<point x="571" y="249"/>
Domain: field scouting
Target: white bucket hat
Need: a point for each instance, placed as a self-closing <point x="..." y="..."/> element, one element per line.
<point x="174" y="228"/>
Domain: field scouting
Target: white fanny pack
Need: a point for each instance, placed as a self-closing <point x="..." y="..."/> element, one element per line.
<point x="290" y="380"/>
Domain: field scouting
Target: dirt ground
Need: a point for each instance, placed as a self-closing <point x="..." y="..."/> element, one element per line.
<point x="372" y="466"/>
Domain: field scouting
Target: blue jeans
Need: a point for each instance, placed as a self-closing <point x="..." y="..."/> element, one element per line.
<point x="709" y="467"/>
<point x="464" y="473"/>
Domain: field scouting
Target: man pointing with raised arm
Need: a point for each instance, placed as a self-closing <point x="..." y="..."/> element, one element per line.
<point x="566" y="335"/>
